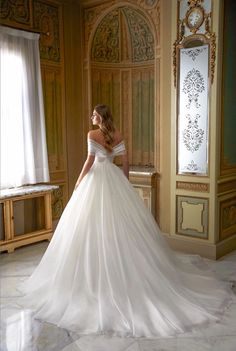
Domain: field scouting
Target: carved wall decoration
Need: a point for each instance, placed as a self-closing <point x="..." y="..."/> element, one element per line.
<point x="16" y="11"/>
<point x="106" y="44"/>
<point x="141" y="36"/>
<point x="227" y="218"/>
<point x="92" y="14"/>
<point x="194" y="26"/>
<point x="199" y="187"/>
<point x="105" y="47"/>
<point x="123" y="37"/>
<point x="192" y="216"/>
<point x="46" y="20"/>
<point x="57" y="202"/>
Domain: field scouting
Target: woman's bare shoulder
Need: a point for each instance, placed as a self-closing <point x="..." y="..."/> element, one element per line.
<point x="92" y="134"/>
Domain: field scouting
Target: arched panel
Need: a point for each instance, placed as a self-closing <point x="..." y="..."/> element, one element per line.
<point x="122" y="59"/>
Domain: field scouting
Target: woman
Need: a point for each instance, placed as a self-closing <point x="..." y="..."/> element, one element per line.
<point x="107" y="268"/>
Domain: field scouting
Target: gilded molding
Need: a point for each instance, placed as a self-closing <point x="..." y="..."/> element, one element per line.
<point x="16" y="11"/>
<point x="199" y="187"/>
<point x="46" y="20"/>
<point x="183" y="40"/>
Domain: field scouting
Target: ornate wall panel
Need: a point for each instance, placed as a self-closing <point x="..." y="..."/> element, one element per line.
<point x="106" y="86"/>
<point x="108" y="40"/>
<point x="59" y="198"/>
<point x="142" y="40"/>
<point x="192" y="216"/>
<point x="93" y="13"/>
<point x="126" y="109"/>
<point x="142" y="116"/>
<point x="52" y="87"/>
<point x="123" y="38"/>
<point x="227" y="218"/>
<point x="46" y="20"/>
<point x="193" y="111"/>
<point x="15" y="13"/>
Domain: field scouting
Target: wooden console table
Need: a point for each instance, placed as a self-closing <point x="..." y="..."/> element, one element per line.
<point x="25" y="215"/>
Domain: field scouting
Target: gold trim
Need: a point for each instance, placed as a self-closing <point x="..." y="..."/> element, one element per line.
<point x="199" y="187"/>
<point x="183" y="41"/>
<point x="199" y="11"/>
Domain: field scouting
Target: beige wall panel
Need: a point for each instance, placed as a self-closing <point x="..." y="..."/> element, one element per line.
<point x="192" y="217"/>
<point x="126" y="109"/>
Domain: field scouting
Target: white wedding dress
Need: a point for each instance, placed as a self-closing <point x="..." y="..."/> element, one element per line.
<point x="108" y="269"/>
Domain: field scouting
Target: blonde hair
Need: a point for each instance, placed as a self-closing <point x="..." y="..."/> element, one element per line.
<point x="107" y="126"/>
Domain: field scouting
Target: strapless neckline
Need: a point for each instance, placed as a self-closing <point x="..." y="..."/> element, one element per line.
<point x="113" y="147"/>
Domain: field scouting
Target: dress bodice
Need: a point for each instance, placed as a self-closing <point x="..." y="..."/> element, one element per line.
<point x="102" y="154"/>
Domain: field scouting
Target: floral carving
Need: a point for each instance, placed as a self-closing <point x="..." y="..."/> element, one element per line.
<point x="46" y="20"/>
<point x="141" y="36"/>
<point x="193" y="85"/>
<point x="193" y="135"/>
<point x="193" y="53"/>
<point x="192" y="166"/>
<point x="150" y="2"/>
<point x="57" y="202"/>
<point x="17" y="11"/>
<point x="106" y="42"/>
<point x="105" y="46"/>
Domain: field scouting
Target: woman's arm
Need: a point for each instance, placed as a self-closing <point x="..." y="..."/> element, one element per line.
<point x="86" y="167"/>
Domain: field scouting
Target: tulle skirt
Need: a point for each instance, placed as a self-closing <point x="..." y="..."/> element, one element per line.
<point x="108" y="269"/>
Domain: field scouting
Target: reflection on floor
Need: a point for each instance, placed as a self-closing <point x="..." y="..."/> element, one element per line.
<point x="19" y="332"/>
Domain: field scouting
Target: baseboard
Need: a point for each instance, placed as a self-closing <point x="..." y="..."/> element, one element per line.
<point x="204" y="249"/>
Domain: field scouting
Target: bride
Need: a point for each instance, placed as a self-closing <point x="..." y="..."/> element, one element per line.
<point x="107" y="268"/>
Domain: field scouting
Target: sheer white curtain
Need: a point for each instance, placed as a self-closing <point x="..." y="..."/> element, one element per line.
<point x="23" y="139"/>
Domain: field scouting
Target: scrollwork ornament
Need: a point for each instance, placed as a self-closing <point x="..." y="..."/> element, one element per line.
<point x="192" y="134"/>
<point x="46" y="19"/>
<point x="193" y="85"/>
<point x="208" y="37"/>
<point x="194" y="3"/>
<point x="175" y="61"/>
<point x="212" y="55"/>
<point x="15" y="11"/>
<point x="57" y="203"/>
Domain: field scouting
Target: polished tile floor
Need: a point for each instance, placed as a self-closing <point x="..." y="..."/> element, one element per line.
<point x="19" y="332"/>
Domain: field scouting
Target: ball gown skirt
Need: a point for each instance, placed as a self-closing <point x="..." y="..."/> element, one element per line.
<point x="108" y="269"/>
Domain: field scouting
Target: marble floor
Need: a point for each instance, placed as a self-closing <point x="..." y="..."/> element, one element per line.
<point x="19" y="332"/>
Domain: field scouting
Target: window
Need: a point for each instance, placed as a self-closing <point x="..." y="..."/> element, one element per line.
<point x="23" y="152"/>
